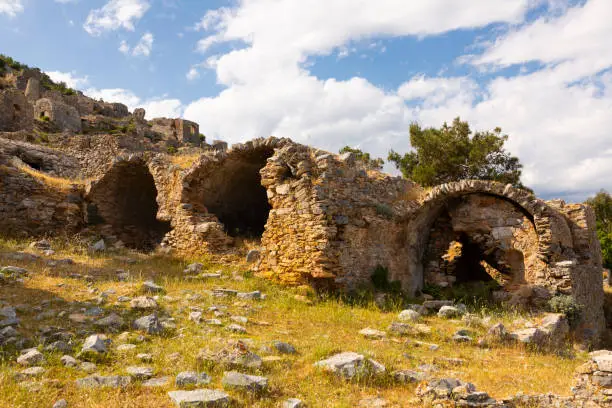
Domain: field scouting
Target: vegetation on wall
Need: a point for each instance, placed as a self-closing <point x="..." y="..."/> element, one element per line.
<point x="365" y="158"/>
<point x="452" y="152"/>
<point x="7" y="62"/>
<point x="602" y="204"/>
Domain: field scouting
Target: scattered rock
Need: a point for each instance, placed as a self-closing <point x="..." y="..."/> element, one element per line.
<point x="152" y="287"/>
<point x="449" y="312"/>
<point x="202" y="398"/>
<point x="88" y="367"/>
<point x="253" y="256"/>
<point x="31" y="358"/>
<point x="98" y="381"/>
<point x="69" y="361"/>
<point x="529" y="336"/>
<point x="244" y="382"/>
<point x="409" y="315"/>
<point x="293" y="403"/>
<point x="351" y="365"/>
<point x="373" y="402"/>
<point x="193" y="268"/>
<point x="236" y="328"/>
<point x="157" y="382"/>
<point x="408" y="376"/>
<point x="373" y="334"/>
<point x="143" y="303"/>
<point x="187" y="378"/>
<point x="255" y="295"/>
<point x="283" y="348"/>
<point x="112" y="321"/>
<point x="235" y="355"/>
<point x="94" y="345"/>
<point x="149" y="324"/>
<point x="60" y="404"/>
<point x="99" y="246"/>
<point x="140" y="373"/>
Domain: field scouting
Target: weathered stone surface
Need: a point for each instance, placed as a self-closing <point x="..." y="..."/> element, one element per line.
<point x="409" y="315"/>
<point x="31" y="358"/>
<point x="94" y="345"/>
<point x="186" y="378"/>
<point x="351" y="365"/>
<point x="140" y="373"/>
<point x="149" y="324"/>
<point x="369" y="333"/>
<point x="202" y="398"/>
<point x="245" y="382"/>
<point x="143" y="303"/>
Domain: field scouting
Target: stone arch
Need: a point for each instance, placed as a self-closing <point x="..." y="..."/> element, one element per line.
<point x="226" y="187"/>
<point x="550" y="240"/>
<point x="125" y="199"/>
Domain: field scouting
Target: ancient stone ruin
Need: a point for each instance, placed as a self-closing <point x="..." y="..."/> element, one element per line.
<point x="319" y="219"/>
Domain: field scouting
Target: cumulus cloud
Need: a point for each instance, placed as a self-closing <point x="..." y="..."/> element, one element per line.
<point x="115" y="15"/>
<point x="557" y="115"/>
<point x="143" y="48"/>
<point x="69" y="78"/>
<point x="11" y="7"/>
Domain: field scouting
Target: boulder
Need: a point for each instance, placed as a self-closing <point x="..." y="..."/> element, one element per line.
<point x="202" y="398"/>
<point x="244" y="382"/>
<point x="351" y="365"/>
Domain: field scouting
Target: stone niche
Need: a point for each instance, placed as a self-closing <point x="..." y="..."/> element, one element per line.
<point x="125" y="199"/>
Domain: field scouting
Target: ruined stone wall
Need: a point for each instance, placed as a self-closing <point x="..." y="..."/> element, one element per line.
<point x="15" y="111"/>
<point x="62" y="115"/>
<point x="28" y="206"/>
<point x="504" y="234"/>
<point x="331" y="222"/>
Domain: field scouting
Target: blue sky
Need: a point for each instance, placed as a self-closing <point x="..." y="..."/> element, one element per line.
<point x="337" y="72"/>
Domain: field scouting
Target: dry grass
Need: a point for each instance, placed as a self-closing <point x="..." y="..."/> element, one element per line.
<point x="51" y="181"/>
<point x="184" y="161"/>
<point x="317" y="329"/>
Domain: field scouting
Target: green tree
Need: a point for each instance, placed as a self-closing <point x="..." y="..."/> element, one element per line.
<point x="453" y="153"/>
<point x="365" y="158"/>
<point x="602" y="204"/>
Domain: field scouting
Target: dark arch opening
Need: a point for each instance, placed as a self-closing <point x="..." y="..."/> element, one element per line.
<point x="460" y="247"/>
<point x="240" y="201"/>
<point x="126" y="199"/>
<point x="232" y="192"/>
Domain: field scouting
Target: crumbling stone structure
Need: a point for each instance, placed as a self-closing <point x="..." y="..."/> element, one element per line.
<point x="15" y="111"/>
<point x="62" y="115"/>
<point x="327" y="221"/>
<point x="184" y="131"/>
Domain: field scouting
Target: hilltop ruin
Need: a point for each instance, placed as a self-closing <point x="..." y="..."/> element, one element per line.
<point x="322" y="219"/>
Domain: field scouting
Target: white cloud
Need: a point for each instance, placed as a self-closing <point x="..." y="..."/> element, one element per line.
<point x="155" y="107"/>
<point x="192" y="74"/>
<point x="557" y="117"/>
<point x="11" y="7"/>
<point x="144" y="46"/>
<point x="142" y="49"/>
<point x="124" y="48"/>
<point x="114" y="15"/>
<point x="69" y="78"/>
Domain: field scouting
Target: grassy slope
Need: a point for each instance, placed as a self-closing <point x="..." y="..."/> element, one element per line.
<point x="316" y="330"/>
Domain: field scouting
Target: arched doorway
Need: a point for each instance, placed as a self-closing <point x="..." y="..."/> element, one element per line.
<point x="479" y="238"/>
<point x="126" y="199"/>
<point x="231" y="190"/>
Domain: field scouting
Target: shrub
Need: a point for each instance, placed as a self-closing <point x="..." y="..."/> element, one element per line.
<point x="171" y="150"/>
<point x="566" y="305"/>
<point x="384" y="210"/>
<point x="380" y="281"/>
